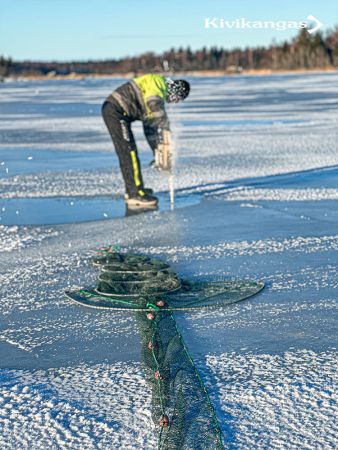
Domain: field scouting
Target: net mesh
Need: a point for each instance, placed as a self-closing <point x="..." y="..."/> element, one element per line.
<point x="181" y="407"/>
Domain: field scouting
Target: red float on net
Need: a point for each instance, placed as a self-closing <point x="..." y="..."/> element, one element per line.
<point x="164" y="421"/>
<point x="158" y="375"/>
<point x="160" y="303"/>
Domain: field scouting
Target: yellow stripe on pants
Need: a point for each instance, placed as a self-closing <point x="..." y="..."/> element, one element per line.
<point x="135" y="168"/>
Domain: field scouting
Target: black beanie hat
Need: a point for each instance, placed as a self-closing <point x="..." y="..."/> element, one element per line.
<point x="178" y="90"/>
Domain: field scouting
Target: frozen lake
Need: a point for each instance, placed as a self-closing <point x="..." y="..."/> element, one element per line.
<point x="257" y="198"/>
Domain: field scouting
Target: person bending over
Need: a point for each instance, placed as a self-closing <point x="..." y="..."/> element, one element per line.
<point x="142" y="98"/>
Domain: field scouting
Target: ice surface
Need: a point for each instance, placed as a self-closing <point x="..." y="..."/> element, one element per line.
<point x="260" y="155"/>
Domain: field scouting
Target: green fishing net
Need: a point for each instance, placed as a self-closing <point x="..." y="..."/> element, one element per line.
<point x="181" y="407"/>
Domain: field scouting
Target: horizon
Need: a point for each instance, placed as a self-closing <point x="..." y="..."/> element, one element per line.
<point x="159" y="53"/>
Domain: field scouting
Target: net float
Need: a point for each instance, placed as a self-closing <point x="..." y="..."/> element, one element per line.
<point x="164" y="421"/>
<point x="160" y="303"/>
<point x="158" y="375"/>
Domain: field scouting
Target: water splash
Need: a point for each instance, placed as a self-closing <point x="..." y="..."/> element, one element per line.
<point x="171" y="190"/>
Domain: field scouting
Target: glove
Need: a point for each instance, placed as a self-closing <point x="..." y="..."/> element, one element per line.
<point x="163" y="152"/>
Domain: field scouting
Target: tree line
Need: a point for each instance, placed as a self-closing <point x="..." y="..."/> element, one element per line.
<point x="305" y="51"/>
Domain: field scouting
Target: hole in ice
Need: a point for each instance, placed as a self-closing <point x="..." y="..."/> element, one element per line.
<point x="58" y="210"/>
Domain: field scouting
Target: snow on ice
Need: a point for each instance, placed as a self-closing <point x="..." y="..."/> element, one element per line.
<point x="259" y="155"/>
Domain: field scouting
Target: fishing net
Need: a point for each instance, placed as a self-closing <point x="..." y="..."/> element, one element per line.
<point x="181" y="407"/>
<point x="134" y="282"/>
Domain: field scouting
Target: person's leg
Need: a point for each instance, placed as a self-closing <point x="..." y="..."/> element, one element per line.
<point x="119" y="127"/>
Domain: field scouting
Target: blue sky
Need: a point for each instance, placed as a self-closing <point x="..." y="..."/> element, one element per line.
<point x="101" y="29"/>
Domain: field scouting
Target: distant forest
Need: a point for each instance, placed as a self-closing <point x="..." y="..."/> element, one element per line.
<point x="305" y="51"/>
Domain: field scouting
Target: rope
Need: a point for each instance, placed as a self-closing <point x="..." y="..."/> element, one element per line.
<point x="117" y="300"/>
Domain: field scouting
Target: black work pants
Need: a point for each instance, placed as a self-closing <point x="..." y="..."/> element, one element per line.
<point x="119" y="127"/>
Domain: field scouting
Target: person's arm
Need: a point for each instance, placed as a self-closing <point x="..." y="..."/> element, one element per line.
<point x="156" y="122"/>
<point x="157" y="131"/>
